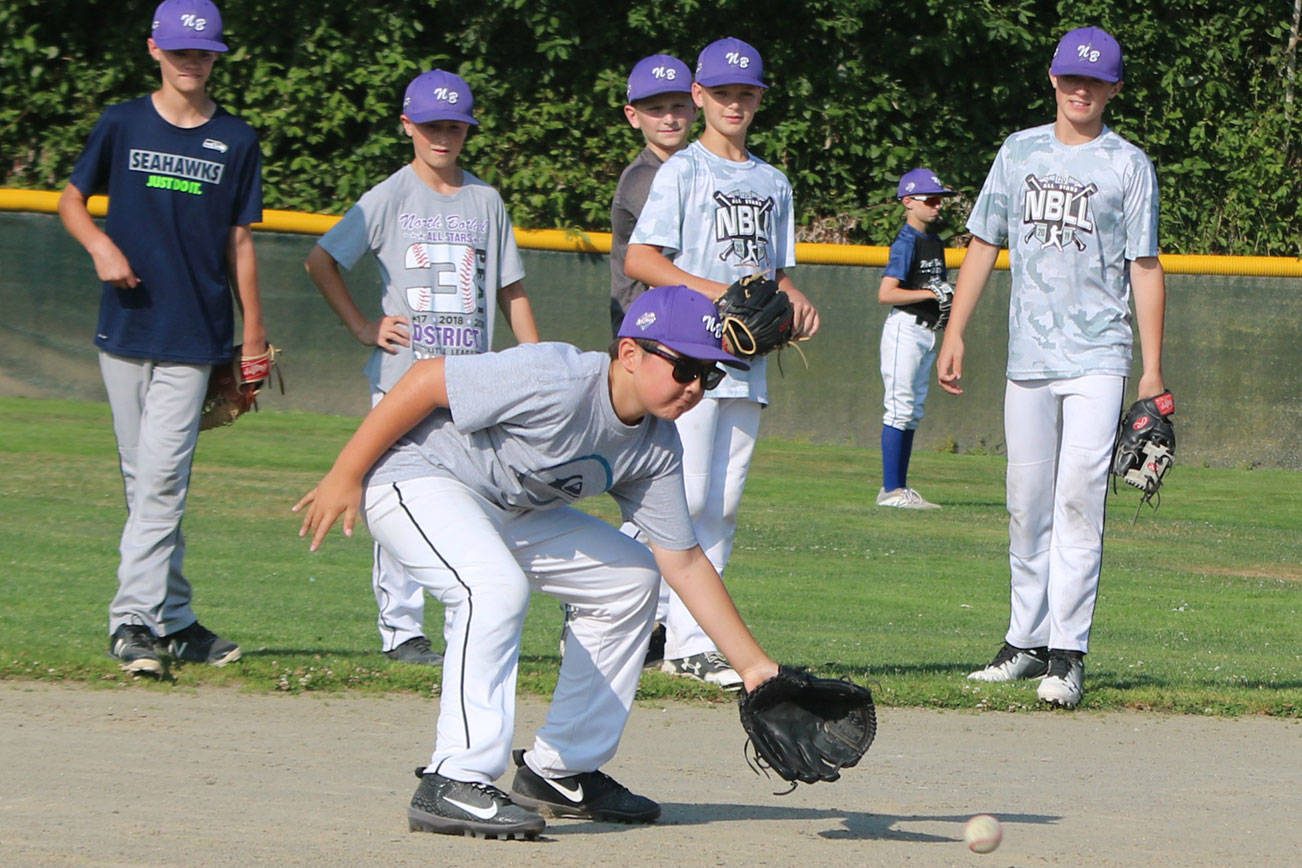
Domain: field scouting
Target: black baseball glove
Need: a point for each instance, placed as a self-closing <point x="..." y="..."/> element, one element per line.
<point x="757" y="317"/>
<point x="807" y="728"/>
<point x="1145" y="447"/>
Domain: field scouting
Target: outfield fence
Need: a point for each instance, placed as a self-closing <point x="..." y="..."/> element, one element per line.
<point x="1232" y="355"/>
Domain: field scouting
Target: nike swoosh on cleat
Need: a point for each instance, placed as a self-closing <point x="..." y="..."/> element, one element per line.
<point x="574" y="795"/>
<point x="482" y="813"/>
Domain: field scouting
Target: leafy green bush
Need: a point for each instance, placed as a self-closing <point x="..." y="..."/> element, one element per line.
<point x="862" y="91"/>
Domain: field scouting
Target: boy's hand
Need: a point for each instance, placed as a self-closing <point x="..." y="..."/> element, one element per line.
<point x="111" y="265"/>
<point x="388" y="333"/>
<point x="806" y="320"/>
<point x="949" y="364"/>
<point x="331" y="498"/>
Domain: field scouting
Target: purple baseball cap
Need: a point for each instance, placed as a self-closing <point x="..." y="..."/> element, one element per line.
<point x="682" y="319"/>
<point x="439" y="95"/>
<point x="729" y="61"/>
<point x="657" y="74"/>
<point x="922" y="182"/>
<point x="182" y="24"/>
<point x="1088" y="51"/>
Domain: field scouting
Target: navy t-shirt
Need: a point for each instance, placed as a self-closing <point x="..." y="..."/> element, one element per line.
<point x="174" y="195"/>
<point x="915" y="259"/>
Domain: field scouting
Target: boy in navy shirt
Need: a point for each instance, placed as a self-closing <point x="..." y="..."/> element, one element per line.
<point x="184" y="183"/>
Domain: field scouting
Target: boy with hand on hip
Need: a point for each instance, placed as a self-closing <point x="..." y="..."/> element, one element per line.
<point x="660" y="106"/>
<point x="466" y="472"/>
<point x="184" y="179"/>
<point x="914" y="281"/>
<point x="447" y="256"/>
<point x="716" y="213"/>
<point x="1078" y="207"/>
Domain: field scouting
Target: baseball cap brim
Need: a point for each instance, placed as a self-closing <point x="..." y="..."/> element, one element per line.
<point x="183" y="44"/>
<point x="704" y="353"/>
<point x="429" y="117"/>
<point x="721" y="80"/>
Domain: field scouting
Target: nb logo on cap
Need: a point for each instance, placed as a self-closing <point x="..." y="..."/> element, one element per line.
<point x="447" y="95"/>
<point x="665" y="72"/>
<point x="194" y="22"/>
<point x="736" y="58"/>
<point x="1085" y="52"/>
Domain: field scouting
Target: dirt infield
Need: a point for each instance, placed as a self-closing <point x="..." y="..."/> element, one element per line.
<point x="137" y="776"/>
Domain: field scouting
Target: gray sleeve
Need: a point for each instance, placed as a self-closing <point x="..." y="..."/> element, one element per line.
<point x="630" y="196"/>
<point x="348" y="239"/>
<point x="658" y="506"/>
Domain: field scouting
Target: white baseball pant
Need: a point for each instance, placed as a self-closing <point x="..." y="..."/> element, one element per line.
<point x="399" y="598"/>
<point x="907" y="352"/>
<point x="156" y="408"/>
<point x="718" y="437"/>
<point x="1059" y="435"/>
<point x="481" y="562"/>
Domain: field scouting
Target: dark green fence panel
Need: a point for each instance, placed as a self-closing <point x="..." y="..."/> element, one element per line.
<point x="1233" y="347"/>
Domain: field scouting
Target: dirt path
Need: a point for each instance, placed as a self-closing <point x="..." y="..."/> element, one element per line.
<point x="136" y="776"/>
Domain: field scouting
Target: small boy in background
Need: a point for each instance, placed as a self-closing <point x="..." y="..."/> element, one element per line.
<point x="447" y="256"/>
<point x="660" y="106"/>
<point x="915" y="283"/>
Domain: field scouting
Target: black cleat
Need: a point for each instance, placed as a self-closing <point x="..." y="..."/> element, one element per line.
<point x="447" y="807"/>
<point x="132" y="645"/>
<point x="588" y="795"/>
<point x="417" y="650"/>
<point x="198" y="644"/>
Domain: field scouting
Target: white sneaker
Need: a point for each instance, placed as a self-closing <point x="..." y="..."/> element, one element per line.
<point x="1063" y="685"/>
<point x="710" y="667"/>
<point x="904" y="498"/>
<point x="1013" y="663"/>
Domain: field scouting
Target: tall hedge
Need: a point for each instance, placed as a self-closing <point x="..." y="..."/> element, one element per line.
<point x="862" y="91"/>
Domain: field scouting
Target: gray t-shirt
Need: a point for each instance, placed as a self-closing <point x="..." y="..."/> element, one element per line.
<point x="442" y="260"/>
<point x="630" y="196"/>
<point x="532" y="427"/>
<point x="1074" y="216"/>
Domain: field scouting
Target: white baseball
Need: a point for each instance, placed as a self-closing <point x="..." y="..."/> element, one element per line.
<point x="982" y="833"/>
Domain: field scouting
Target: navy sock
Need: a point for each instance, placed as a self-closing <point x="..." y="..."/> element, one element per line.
<point x="892" y="447"/>
<point x="906" y="450"/>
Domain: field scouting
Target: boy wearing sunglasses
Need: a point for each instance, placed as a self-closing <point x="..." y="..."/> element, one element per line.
<point x="466" y="471"/>
<point x="914" y="281"/>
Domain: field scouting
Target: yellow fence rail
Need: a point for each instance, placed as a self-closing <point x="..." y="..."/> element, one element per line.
<point x="578" y="241"/>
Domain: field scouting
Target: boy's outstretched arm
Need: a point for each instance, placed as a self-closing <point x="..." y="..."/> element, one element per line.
<point x="514" y="303"/>
<point x="111" y="265"/>
<point x="971" y="282"/>
<point x="388" y="332"/>
<point x="692" y="576"/>
<point x="1148" y="284"/>
<point x="242" y="263"/>
<point x="417" y="394"/>
<point x="646" y="262"/>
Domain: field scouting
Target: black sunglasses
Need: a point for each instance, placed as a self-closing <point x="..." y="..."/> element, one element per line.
<point x="686" y="370"/>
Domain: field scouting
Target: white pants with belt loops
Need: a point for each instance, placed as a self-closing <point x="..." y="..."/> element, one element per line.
<point x="1059" y="435"/>
<point x="482" y="562"/>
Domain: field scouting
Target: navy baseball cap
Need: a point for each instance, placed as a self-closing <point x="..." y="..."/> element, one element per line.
<point x="682" y="319"/>
<point x="729" y="61"/>
<point x="922" y="182"/>
<point x="182" y="24"/>
<point x="439" y="95"/>
<point x="657" y="74"/>
<point x="1088" y="51"/>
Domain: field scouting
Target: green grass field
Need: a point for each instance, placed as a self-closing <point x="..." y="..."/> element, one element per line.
<point x="1198" y="610"/>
